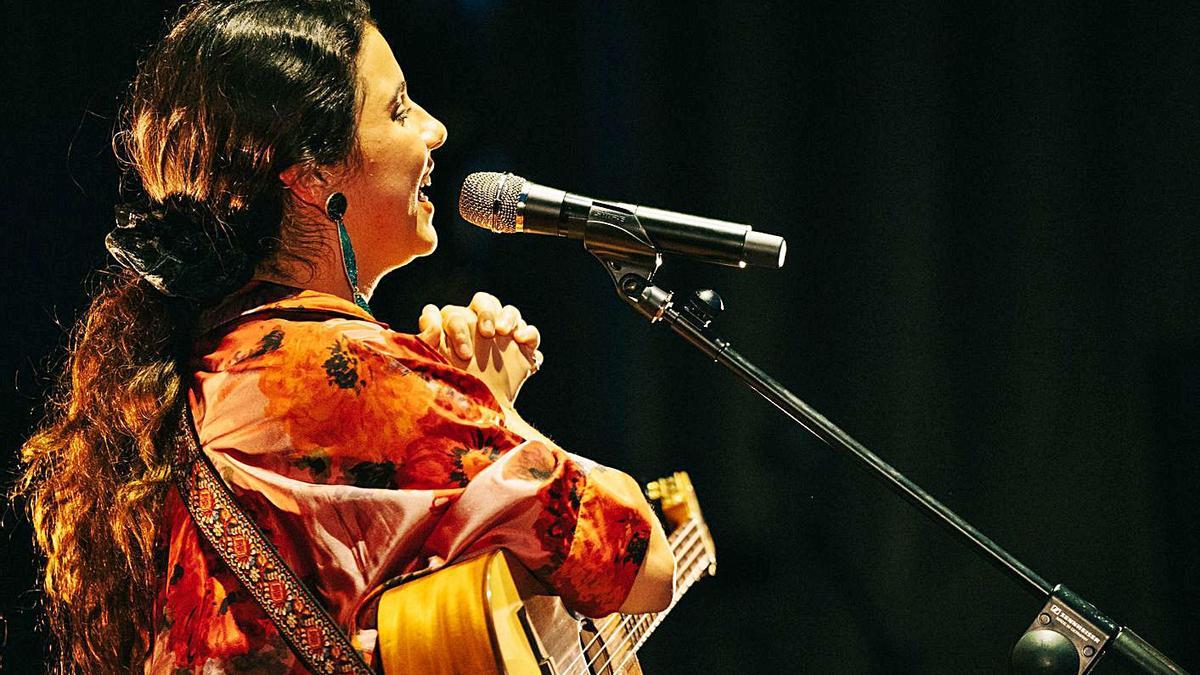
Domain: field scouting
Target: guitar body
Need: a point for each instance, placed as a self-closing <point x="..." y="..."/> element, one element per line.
<point x="488" y="615"/>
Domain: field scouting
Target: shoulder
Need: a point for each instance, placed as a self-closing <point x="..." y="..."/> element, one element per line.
<point x="292" y="340"/>
<point x="334" y="380"/>
<point x="330" y="379"/>
<point x="272" y="325"/>
<point x="312" y="393"/>
<point x="338" y="364"/>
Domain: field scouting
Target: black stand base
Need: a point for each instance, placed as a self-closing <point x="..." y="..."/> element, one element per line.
<point x="1044" y="652"/>
<point x="1068" y="637"/>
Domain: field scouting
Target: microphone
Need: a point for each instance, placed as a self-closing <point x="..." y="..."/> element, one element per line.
<point x="504" y="203"/>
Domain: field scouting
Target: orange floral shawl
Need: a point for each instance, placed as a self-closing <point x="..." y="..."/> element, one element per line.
<point x="362" y="454"/>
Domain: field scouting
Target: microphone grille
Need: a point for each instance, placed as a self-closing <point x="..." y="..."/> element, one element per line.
<point x="489" y="200"/>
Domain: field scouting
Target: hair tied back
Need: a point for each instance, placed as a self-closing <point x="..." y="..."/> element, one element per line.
<point x="180" y="248"/>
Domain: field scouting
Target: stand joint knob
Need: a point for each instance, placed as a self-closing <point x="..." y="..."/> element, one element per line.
<point x="703" y="306"/>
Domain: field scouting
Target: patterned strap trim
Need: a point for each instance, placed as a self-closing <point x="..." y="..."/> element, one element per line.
<point x="312" y="634"/>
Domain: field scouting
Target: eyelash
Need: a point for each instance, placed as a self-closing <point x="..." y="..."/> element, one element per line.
<point x="401" y="115"/>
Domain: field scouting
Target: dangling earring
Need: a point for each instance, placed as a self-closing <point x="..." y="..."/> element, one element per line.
<point x="335" y="209"/>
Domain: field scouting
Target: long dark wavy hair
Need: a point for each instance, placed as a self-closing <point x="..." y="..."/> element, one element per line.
<point x="237" y="91"/>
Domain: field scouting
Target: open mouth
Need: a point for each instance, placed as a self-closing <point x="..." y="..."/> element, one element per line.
<point x="426" y="182"/>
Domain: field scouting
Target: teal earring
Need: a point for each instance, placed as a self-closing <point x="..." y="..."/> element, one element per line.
<point x="335" y="209"/>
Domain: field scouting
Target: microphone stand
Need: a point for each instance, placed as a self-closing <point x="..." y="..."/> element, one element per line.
<point x="1068" y="636"/>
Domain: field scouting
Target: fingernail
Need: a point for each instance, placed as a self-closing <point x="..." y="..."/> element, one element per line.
<point x="464" y="349"/>
<point x="486" y="326"/>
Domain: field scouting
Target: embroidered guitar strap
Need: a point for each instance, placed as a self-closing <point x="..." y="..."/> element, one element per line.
<point x="308" y="629"/>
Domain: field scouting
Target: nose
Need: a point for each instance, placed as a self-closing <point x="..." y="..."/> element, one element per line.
<point x="434" y="132"/>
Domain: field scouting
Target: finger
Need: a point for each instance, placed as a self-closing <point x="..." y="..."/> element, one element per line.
<point x="528" y="335"/>
<point x="486" y="306"/>
<point x="507" y="321"/>
<point x="460" y="316"/>
<point x="459" y="335"/>
<point x="538" y="359"/>
<point x="450" y="311"/>
<point x="430" y="326"/>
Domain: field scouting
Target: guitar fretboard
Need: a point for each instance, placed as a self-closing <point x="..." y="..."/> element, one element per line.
<point x="625" y="634"/>
<point x="692" y="563"/>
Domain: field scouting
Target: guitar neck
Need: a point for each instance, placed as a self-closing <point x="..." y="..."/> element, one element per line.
<point x="692" y="562"/>
<point x="695" y="557"/>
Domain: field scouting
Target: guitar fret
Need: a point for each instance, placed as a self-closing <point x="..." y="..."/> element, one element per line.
<point x="646" y="623"/>
<point x="693" y="570"/>
<point x="639" y="626"/>
<point x="623" y="635"/>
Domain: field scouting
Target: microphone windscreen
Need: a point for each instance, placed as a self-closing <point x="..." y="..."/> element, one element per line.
<point x="489" y="200"/>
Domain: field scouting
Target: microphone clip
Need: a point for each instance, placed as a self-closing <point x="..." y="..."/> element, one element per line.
<point x="617" y="239"/>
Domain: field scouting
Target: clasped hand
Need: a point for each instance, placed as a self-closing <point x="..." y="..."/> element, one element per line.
<point x="487" y="340"/>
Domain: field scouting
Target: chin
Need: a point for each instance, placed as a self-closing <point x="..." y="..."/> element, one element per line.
<point x="430" y="248"/>
<point x="429" y="236"/>
<point x="423" y="244"/>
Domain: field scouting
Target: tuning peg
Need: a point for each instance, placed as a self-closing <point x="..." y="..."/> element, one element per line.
<point x="654" y="490"/>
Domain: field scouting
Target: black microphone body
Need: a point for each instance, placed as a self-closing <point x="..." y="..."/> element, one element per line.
<point x="507" y="203"/>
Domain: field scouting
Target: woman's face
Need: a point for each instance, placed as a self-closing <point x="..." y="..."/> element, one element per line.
<point x="389" y="220"/>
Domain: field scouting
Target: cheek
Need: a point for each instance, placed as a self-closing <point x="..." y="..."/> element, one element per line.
<point x="401" y="155"/>
<point x="385" y="180"/>
<point x="393" y="180"/>
<point x="393" y="163"/>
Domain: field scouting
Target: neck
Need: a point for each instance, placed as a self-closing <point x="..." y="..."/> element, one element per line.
<point x="325" y="272"/>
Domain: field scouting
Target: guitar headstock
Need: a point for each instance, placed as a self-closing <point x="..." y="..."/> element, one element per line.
<point x="677" y="499"/>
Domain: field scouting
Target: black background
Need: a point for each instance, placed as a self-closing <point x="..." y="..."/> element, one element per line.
<point x="992" y="282"/>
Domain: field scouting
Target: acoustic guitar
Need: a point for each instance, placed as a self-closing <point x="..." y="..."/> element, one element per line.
<point x="488" y="616"/>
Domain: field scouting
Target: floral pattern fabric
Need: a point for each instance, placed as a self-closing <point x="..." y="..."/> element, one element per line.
<point x="363" y="455"/>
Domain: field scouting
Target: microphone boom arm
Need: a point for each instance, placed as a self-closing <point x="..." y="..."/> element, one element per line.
<point x="1068" y="630"/>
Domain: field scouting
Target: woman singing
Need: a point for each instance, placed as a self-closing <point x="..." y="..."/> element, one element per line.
<point x="276" y="158"/>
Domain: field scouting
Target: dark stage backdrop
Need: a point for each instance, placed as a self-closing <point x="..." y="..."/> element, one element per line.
<point x="992" y="282"/>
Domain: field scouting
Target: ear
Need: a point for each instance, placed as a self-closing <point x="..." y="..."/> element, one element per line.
<point x="305" y="186"/>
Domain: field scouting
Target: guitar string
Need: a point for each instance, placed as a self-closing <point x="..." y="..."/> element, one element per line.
<point x="685" y="543"/>
<point x="681" y="534"/>
<point x="691" y="573"/>
<point x="632" y="622"/>
<point x="690" y="580"/>
<point x="691" y="554"/>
